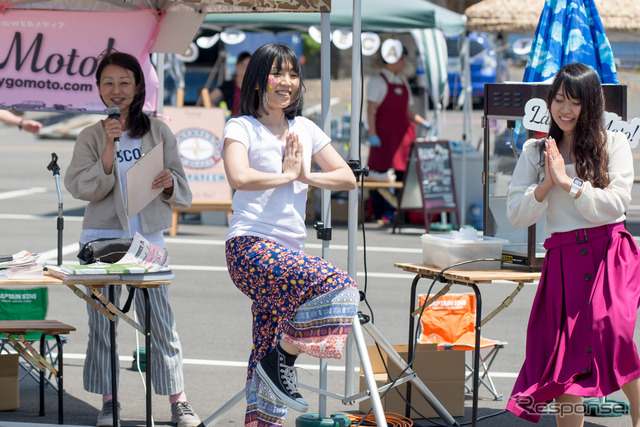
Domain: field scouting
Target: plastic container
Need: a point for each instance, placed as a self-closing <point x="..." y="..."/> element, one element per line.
<point x="442" y="251"/>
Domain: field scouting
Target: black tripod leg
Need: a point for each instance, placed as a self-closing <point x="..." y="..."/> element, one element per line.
<point x="114" y="374"/>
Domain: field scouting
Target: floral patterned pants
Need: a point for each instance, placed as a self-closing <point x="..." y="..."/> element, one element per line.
<point x="298" y="298"/>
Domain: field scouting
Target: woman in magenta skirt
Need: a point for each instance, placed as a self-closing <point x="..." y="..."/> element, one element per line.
<point x="580" y="332"/>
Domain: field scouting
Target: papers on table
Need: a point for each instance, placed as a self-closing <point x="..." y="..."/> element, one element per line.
<point x="100" y="268"/>
<point x="23" y="265"/>
<point x="119" y="272"/>
<point x="145" y="253"/>
<point x="143" y="261"/>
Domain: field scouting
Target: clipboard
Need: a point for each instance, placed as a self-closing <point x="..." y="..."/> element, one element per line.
<point x="140" y="176"/>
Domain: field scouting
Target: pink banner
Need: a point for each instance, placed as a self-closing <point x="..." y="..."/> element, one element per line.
<point x="48" y="59"/>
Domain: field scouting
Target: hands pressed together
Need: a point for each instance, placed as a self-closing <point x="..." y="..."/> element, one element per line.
<point x="555" y="172"/>
<point x="554" y="168"/>
<point x="293" y="161"/>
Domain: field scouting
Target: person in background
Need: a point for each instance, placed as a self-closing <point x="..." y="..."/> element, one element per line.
<point x="10" y="119"/>
<point x="580" y="333"/>
<point x="301" y="303"/>
<point x="391" y="120"/>
<point x="91" y="176"/>
<point x="229" y="91"/>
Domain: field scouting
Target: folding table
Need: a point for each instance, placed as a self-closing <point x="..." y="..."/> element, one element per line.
<point x="15" y="331"/>
<point x="107" y="308"/>
<point x="509" y="273"/>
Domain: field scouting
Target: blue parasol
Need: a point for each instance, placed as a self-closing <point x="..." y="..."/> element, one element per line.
<point x="570" y="31"/>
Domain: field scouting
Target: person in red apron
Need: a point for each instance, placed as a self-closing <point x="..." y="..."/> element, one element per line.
<point x="391" y="122"/>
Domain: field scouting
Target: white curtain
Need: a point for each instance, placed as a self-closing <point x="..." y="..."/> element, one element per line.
<point x="432" y="48"/>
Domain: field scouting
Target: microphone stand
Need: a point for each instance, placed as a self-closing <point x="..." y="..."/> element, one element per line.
<point x="53" y="166"/>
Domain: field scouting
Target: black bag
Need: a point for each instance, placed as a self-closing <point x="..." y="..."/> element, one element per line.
<point x="104" y="250"/>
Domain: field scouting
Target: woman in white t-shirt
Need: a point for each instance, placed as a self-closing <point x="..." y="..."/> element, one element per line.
<point x="301" y="303"/>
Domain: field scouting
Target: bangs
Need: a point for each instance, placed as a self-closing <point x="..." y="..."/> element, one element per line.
<point x="573" y="88"/>
<point x="284" y="59"/>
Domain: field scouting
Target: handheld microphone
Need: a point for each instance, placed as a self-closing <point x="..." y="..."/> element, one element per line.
<point x="114" y="113"/>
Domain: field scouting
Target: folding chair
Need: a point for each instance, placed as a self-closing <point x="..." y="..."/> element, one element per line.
<point x="28" y="304"/>
<point x="449" y="321"/>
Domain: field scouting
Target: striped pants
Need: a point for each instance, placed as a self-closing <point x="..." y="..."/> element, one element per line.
<point x="166" y="356"/>
<point x="298" y="298"/>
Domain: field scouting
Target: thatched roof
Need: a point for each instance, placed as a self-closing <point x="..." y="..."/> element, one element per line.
<point x="621" y="18"/>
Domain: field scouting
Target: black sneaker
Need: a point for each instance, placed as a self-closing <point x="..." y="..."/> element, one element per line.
<point x="282" y="378"/>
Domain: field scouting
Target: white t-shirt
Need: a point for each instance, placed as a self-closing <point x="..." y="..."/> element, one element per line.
<point x="277" y="214"/>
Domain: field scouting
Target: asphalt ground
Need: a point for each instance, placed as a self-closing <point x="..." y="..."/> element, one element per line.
<point x="213" y="317"/>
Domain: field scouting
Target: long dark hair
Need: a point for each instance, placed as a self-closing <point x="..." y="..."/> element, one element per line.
<point x="138" y="122"/>
<point x="582" y="83"/>
<point x="253" y="94"/>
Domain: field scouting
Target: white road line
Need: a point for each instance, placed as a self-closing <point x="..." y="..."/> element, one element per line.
<point x="224" y="269"/>
<point x="243" y="365"/>
<point x="184" y="241"/>
<point x="21" y="193"/>
<point x="206" y="362"/>
<point x="38" y="217"/>
<point x="53" y="253"/>
<point x="199" y="268"/>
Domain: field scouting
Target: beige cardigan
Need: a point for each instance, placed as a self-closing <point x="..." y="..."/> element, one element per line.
<point x="85" y="180"/>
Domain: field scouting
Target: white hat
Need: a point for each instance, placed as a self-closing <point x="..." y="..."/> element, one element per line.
<point x="392" y="50"/>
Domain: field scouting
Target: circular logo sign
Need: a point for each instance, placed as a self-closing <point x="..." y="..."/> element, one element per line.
<point x="198" y="148"/>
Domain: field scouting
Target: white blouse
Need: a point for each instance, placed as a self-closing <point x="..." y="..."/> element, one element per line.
<point x="594" y="206"/>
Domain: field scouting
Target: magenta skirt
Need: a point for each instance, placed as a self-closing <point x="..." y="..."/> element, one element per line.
<point x="580" y="332"/>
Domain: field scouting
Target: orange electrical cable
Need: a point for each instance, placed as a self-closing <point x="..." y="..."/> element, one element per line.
<point x="393" y="420"/>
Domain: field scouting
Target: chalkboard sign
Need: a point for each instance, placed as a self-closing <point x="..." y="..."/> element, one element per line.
<point x="428" y="182"/>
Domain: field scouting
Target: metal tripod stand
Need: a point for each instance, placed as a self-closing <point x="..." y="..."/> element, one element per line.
<point x="354" y="153"/>
<point x="362" y="323"/>
<point x="366" y="367"/>
<point x="359" y="324"/>
<point x="55" y="169"/>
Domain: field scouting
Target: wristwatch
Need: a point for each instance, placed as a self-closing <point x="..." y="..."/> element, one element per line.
<point x="576" y="185"/>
